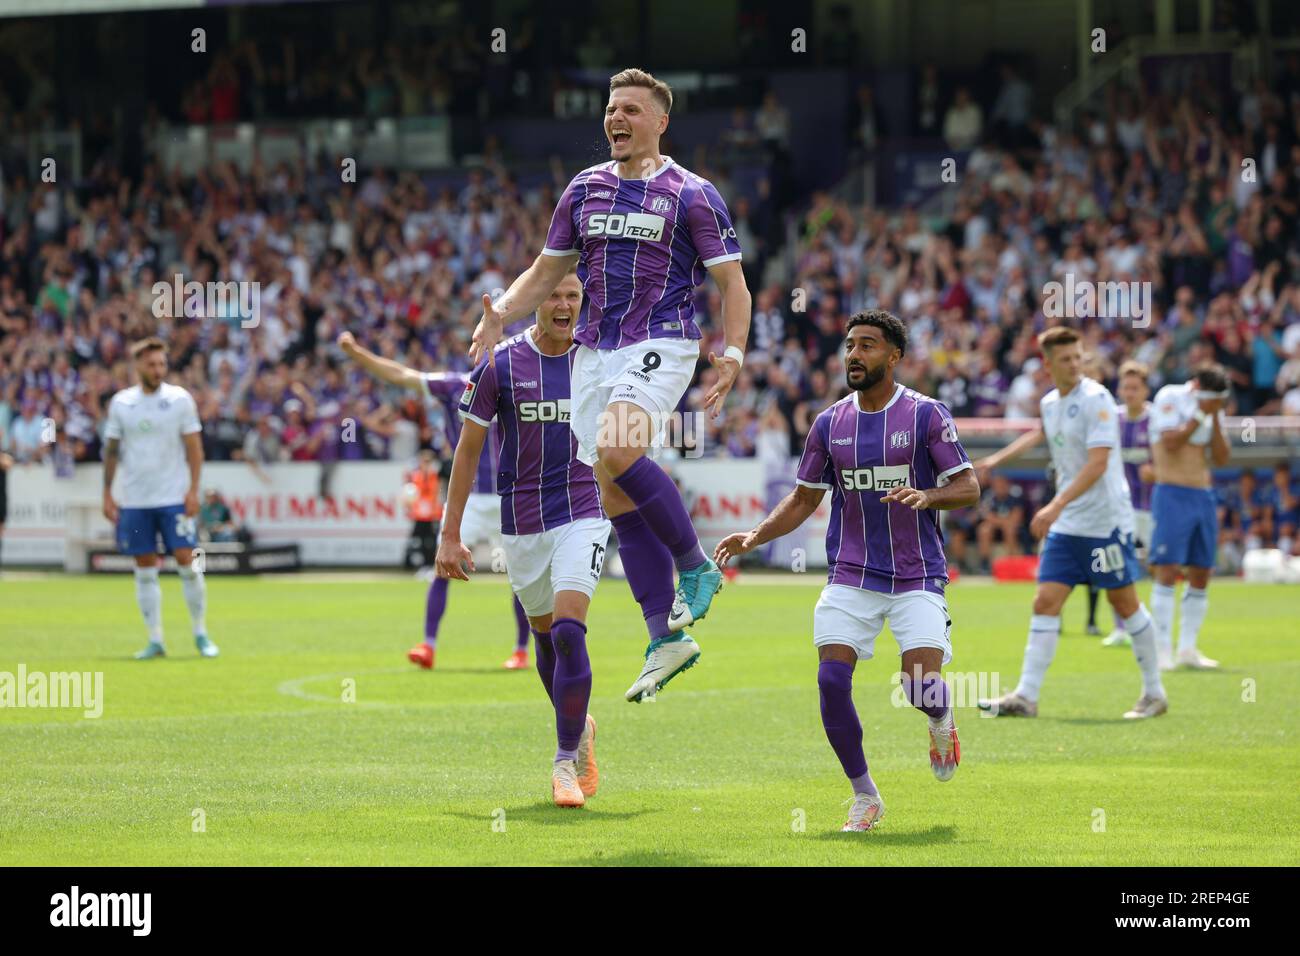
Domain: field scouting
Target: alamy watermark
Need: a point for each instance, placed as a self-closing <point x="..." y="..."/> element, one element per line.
<point x="208" y="300"/>
<point x="965" y="689"/>
<point x="625" y="425"/>
<point x="73" y="690"/>
<point x="1085" y="299"/>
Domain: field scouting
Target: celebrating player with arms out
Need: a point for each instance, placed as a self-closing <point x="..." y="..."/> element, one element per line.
<point x="891" y="458"/>
<point x="553" y="530"/>
<point x="1186" y="429"/>
<point x="153" y="428"/>
<point x="1088" y="526"/>
<point x="644" y="231"/>
<point x="480" y="525"/>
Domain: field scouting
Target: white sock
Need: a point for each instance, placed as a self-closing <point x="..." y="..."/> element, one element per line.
<point x="196" y="597"/>
<point x="148" y="594"/>
<point x="1284" y="545"/>
<point x="1044" y="632"/>
<point x="1195" y="604"/>
<point x="1142" y="630"/>
<point x="1162" y="612"/>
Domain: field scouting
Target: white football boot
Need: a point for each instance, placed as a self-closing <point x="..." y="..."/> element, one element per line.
<point x="866" y="812"/>
<point x="665" y="658"/>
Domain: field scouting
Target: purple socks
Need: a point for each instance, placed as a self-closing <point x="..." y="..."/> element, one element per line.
<point x="545" y="654"/>
<point x="661" y="505"/>
<point x="930" y="696"/>
<point x="521" y="626"/>
<point x="571" y="686"/>
<point x="840" y="718"/>
<point x="434" y="607"/>
<point x="649" y="569"/>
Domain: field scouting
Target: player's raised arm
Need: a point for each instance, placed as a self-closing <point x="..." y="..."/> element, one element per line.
<point x="522" y="298"/>
<point x="453" y="556"/>
<point x="796" y="508"/>
<point x="737" y="309"/>
<point x="1017" y="448"/>
<point x="386" y="370"/>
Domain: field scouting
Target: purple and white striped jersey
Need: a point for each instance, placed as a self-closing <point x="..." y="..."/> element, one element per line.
<point x="446" y="388"/>
<point x="1135" y="451"/>
<point x="644" y="246"/>
<point x="861" y="456"/>
<point x="540" y="480"/>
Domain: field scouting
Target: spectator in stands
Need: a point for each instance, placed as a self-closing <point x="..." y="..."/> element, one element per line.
<point x="216" y="523"/>
<point x="1284" y="500"/>
<point x="964" y="122"/>
<point x="1001" y="520"/>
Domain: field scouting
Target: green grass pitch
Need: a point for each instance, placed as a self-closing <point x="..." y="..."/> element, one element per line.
<point x="452" y="767"/>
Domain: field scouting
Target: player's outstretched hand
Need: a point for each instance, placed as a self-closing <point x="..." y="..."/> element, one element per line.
<point x="347" y="343"/>
<point x="728" y="369"/>
<point x="487" y="333"/>
<point x="733" y="545"/>
<point x="912" y="497"/>
<point x="451" y="556"/>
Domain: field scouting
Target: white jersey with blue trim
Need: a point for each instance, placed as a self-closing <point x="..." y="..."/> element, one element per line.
<point x="151" y="427"/>
<point x="1085" y="418"/>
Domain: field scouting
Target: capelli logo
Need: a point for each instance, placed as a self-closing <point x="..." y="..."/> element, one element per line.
<point x="103" y="909"/>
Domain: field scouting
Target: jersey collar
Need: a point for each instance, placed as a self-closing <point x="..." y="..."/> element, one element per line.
<point x="898" y="390"/>
<point x="668" y="162"/>
<point x="528" y="334"/>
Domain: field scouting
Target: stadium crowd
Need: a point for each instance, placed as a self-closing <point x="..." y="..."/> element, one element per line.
<point x="1196" y="194"/>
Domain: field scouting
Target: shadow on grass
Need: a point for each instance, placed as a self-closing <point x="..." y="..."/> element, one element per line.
<point x="639" y="858"/>
<point x="547" y="814"/>
<point x="928" y="837"/>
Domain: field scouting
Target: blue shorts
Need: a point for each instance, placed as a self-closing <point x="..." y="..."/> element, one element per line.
<point x="138" y="530"/>
<point x="1104" y="563"/>
<point x="1187" y="526"/>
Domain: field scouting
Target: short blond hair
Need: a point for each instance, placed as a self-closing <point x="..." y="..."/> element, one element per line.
<point x="1134" y="367"/>
<point x="663" y="93"/>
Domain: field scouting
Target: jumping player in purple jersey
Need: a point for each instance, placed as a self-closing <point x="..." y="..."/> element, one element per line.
<point x="891" y="458"/>
<point x="554" y="531"/>
<point x="644" y="232"/>
<point x="479" y="528"/>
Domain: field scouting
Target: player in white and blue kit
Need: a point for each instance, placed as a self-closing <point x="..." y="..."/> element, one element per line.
<point x="1088" y="526"/>
<point x="1186" y="436"/>
<point x="153" y="431"/>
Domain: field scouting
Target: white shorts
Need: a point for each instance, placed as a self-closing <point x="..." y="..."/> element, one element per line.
<point x="481" y="522"/>
<point x="653" y="375"/>
<point x="1143" y="526"/>
<point x="567" y="558"/>
<point x="854" y="617"/>
<point x="480" y="527"/>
